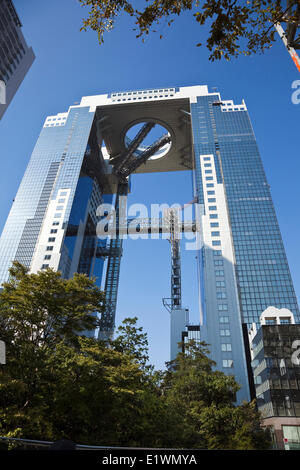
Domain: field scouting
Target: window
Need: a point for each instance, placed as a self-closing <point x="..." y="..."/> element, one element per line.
<point x="227" y="363"/>
<point x="61" y="201"/>
<point x="57" y="215"/>
<point x="285" y="321"/>
<point x="207" y="164"/>
<point x="45" y="266"/>
<point x="212" y="208"/>
<point x="214" y="224"/>
<point x="207" y="172"/>
<point x="222" y="307"/>
<point x="47" y="257"/>
<point x="220" y="284"/>
<point x="60" y="208"/>
<point x="221" y="295"/>
<point x="64" y="193"/>
<point x="219" y="273"/>
<point x="54" y="230"/>
<point x="217" y="252"/>
<point x="210" y="185"/>
<point x="270" y="321"/>
<point x="211" y="193"/>
<point x="218" y="262"/>
<point x="206" y="159"/>
<point x="224" y="332"/>
<point x="209" y="178"/>
<point x="51" y="239"/>
<point x="55" y="223"/>
<point x="212" y="199"/>
<point x="49" y="248"/>
<point x="216" y="243"/>
<point x="226" y="347"/>
<point x="215" y="234"/>
<point x="213" y="216"/>
<point x="292" y="433"/>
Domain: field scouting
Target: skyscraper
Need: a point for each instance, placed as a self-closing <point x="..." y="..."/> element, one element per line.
<point x="16" y="57"/>
<point x="243" y="262"/>
<point x="85" y="156"/>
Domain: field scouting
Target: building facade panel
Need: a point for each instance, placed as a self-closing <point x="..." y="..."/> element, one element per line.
<point x="16" y="57"/>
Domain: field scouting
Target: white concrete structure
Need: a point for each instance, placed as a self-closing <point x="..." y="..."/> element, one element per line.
<point x="272" y="315"/>
<point x="179" y="319"/>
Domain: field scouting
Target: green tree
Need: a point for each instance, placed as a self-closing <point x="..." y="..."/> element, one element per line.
<point x="37" y="313"/>
<point x="156" y="425"/>
<point x="204" y="402"/>
<point x="90" y="394"/>
<point x="58" y="384"/>
<point x="234" y="26"/>
<point x="43" y="308"/>
<point x="133" y="341"/>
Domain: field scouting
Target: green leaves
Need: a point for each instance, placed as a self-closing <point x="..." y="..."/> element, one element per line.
<point x="57" y="384"/>
<point x="203" y="401"/>
<point x="40" y="308"/>
<point x="236" y="27"/>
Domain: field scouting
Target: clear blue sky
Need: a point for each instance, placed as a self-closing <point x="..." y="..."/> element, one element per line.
<point x="70" y="64"/>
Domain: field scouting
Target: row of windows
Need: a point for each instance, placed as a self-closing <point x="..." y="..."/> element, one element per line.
<point x="11" y="48"/>
<point x="52" y="231"/>
<point x="225" y="347"/>
<point x="212" y="208"/>
<point x="143" y="92"/>
<point x="140" y="97"/>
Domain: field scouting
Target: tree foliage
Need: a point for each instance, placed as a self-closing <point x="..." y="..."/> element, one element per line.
<point x="204" y="399"/>
<point x="43" y="308"/>
<point x="234" y="26"/>
<point x="61" y="385"/>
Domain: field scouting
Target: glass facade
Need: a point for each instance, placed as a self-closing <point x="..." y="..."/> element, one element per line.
<point x="52" y="222"/>
<point x="291" y="437"/>
<point x="246" y="249"/>
<point x="192" y="333"/>
<point x="15" y="56"/>
<point x="262" y="269"/>
<point x="276" y="371"/>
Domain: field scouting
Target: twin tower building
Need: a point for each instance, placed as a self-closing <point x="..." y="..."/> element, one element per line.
<point x="86" y="156"/>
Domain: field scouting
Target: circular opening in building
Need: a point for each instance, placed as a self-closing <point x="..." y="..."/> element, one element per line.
<point x="150" y="135"/>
